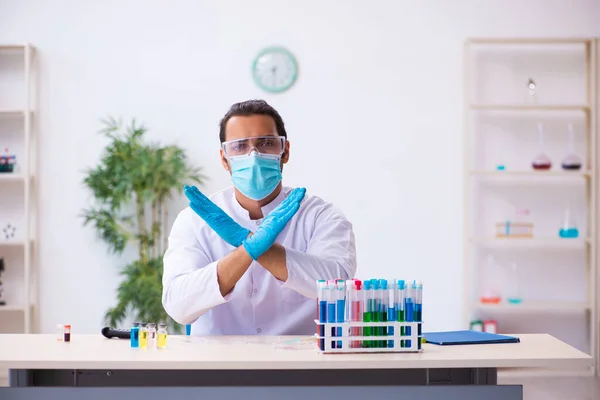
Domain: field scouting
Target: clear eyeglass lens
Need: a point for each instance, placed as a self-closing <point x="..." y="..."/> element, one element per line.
<point x="264" y="145"/>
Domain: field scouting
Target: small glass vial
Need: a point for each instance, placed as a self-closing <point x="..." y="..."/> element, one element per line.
<point x="162" y="334"/>
<point x="60" y="332"/>
<point x="151" y="335"/>
<point x="135" y="335"/>
<point x="67" y="335"/>
<point x="143" y="335"/>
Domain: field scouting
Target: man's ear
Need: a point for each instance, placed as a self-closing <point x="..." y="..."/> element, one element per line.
<point x="224" y="161"/>
<point x="286" y="153"/>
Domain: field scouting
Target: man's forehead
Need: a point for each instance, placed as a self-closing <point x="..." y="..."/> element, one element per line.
<point x="239" y="127"/>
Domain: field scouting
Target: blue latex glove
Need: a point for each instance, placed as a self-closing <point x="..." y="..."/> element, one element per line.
<point x="229" y="230"/>
<point x="273" y="224"/>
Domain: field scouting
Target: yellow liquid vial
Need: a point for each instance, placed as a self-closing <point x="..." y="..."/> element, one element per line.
<point x="143" y="339"/>
<point x="162" y="341"/>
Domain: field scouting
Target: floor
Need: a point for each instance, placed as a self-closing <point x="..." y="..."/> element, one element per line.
<point x="579" y="388"/>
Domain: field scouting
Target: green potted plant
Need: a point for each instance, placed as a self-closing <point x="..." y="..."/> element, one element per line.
<point x="131" y="187"/>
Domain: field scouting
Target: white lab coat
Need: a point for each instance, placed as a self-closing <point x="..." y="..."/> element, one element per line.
<point x="319" y="244"/>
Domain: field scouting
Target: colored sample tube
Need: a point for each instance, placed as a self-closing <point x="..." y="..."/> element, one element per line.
<point x="341" y="308"/>
<point x="322" y="301"/>
<point x="409" y="309"/>
<point x="419" y="308"/>
<point x="331" y="304"/>
<point x="376" y="310"/>
<point x="392" y="304"/>
<point x="367" y="312"/>
<point x="356" y="310"/>
<point x="134" y="337"/>
<point x="400" y="314"/>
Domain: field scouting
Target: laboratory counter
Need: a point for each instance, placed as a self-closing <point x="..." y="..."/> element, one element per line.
<point x="266" y="361"/>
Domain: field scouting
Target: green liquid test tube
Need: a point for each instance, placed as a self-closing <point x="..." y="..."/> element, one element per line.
<point x="400" y="310"/>
<point x="367" y="314"/>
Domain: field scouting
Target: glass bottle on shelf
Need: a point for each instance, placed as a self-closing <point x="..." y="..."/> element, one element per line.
<point x="571" y="161"/>
<point x="568" y="228"/>
<point x="513" y="295"/>
<point x="490" y="294"/>
<point x="541" y="160"/>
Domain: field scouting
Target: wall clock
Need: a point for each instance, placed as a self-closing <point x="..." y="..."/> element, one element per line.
<point x="275" y="69"/>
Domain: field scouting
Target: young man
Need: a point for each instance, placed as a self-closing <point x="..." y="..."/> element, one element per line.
<point x="246" y="260"/>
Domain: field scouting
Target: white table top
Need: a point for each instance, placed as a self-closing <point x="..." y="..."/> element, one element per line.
<point x="279" y="352"/>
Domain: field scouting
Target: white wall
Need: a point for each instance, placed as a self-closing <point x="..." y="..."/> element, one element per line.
<point x="375" y="120"/>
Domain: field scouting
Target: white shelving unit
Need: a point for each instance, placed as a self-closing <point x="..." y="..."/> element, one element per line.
<point x="557" y="278"/>
<point x="18" y="206"/>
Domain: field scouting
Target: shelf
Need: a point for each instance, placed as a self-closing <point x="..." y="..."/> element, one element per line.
<point x="11" y="177"/>
<point x="532" y="243"/>
<point x="555" y="177"/>
<point x="13" y="243"/>
<point x="529" y="41"/>
<point x="12" y="112"/>
<point x="534" y="306"/>
<point x="12" y="308"/>
<point x="530" y="107"/>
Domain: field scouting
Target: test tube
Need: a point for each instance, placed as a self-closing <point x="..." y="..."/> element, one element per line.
<point x="409" y="309"/>
<point x="322" y="300"/>
<point x="419" y="308"/>
<point x="383" y="308"/>
<point x="400" y="315"/>
<point x="367" y="314"/>
<point x="391" y="316"/>
<point x="341" y="307"/>
<point x="331" y="304"/>
<point x="356" y="313"/>
<point x="376" y="309"/>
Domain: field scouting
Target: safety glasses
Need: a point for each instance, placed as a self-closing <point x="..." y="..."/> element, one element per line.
<point x="267" y="145"/>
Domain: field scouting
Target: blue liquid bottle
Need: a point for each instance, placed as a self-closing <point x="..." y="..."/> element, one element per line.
<point x="135" y="334"/>
<point x="568" y="229"/>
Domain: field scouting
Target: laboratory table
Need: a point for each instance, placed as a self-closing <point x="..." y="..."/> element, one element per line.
<point x="275" y="367"/>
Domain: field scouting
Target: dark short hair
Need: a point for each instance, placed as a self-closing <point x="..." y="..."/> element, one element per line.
<point x="252" y="107"/>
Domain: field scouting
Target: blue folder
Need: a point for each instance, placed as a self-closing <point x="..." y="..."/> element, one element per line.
<point x="467" y="337"/>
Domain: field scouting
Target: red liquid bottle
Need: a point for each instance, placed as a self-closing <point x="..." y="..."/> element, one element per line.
<point x="541" y="162"/>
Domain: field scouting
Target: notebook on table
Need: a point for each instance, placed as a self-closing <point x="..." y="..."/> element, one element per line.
<point x="467" y="337"/>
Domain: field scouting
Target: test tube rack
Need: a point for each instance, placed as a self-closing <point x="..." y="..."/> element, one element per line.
<point x="341" y="337"/>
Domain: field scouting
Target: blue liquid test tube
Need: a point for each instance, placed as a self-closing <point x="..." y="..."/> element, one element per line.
<point x="331" y="305"/>
<point x="400" y="310"/>
<point x="419" y="308"/>
<point x="391" y="316"/>
<point x="134" y="335"/>
<point x="341" y="307"/>
<point x="322" y="301"/>
<point x="384" y="307"/>
<point x="409" y="309"/>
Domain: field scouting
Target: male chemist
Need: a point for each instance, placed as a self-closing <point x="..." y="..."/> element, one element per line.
<point x="246" y="260"/>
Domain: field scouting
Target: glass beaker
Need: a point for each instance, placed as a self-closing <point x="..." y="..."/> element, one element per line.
<point x="568" y="229"/>
<point x="490" y="294"/>
<point x="513" y="295"/>
<point x="541" y="160"/>
<point x="571" y="161"/>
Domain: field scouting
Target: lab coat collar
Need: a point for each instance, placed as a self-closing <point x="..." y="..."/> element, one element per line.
<point x="266" y="209"/>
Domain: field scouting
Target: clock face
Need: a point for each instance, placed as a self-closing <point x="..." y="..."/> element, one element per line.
<point x="275" y="69"/>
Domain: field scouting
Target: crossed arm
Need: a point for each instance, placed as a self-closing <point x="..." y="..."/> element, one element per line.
<point x="189" y="274"/>
<point x="259" y="246"/>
